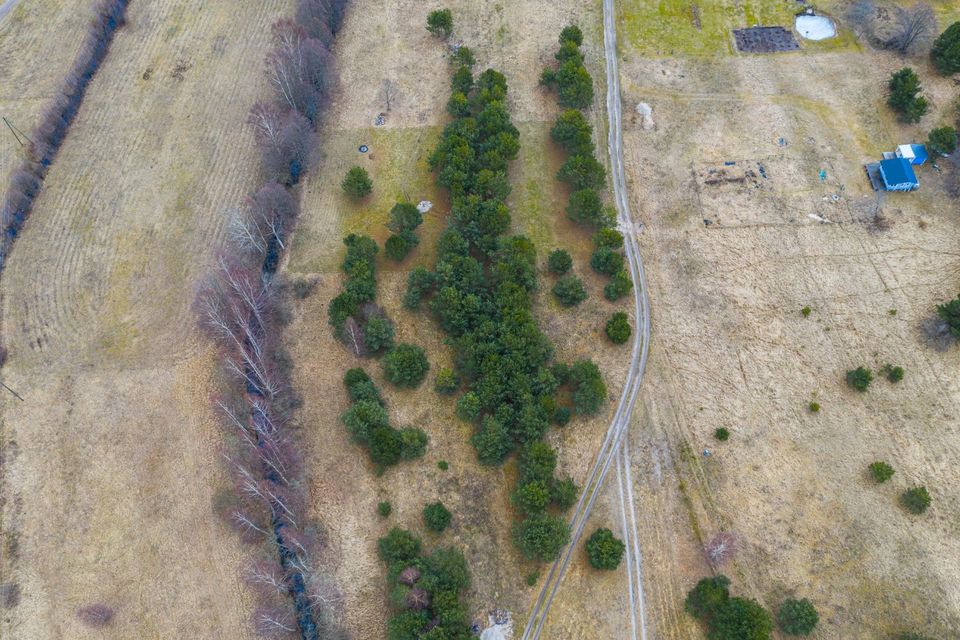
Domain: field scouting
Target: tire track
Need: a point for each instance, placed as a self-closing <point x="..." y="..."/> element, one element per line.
<point x="621" y="420"/>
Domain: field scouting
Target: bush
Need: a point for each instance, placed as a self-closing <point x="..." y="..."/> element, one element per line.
<point x="563" y="493"/>
<point x="357" y="183"/>
<point x="385" y="446"/>
<point x="537" y="462"/>
<point x="464" y="57"/>
<point x="440" y="22"/>
<point x="880" y="471"/>
<point x="443" y="465"/>
<point x="943" y="140"/>
<point x="541" y="537"/>
<point x="619" y="286"/>
<point x="604" y="550"/>
<point x="814" y="407"/>
<point x="797" y="617"/>
<point x="559" y="261"/>
<point x="436" y="516"/>
<point x="740" y="619"/>
<point x="893" y="373"/>
<point x="492" y="442"/>
<point x="707" y="596"/>
<point x="446" y="570"/>
<point x="608" y="238"/>
<point x="916" y="500"/>
<point x="722" y="434"/>
<point x="946" y="50"/>
<point x="904" y="86"/>
<point x="585" y="208"/>
<point x="404" y="216"/>
<point x="859" y="378"/>
<point x="446" y="381"/>
<point x="575" y="86"/>
<point x="606" y="261"/>
<point x="419" y="282"/>
<point x="582" y="171"/>
<point x="378" y="334"/>
<point x="532" y="498"/>
<point x="805" y="312"/>
<point x="384" y="509"/>
<point x="405" y="365"/>
<point x="571" y="33"/>
<point x="398" y="246"/>
<point x="618" y="328"/>
<point x="573" y="132"/>
<point x="949" y="312"/>
<point x="399" y="545"/>
<point x="413" y="443"/>
<point x="407" y="625"/>
<point x="569" y="291"/>
<point x="589" y="391"/>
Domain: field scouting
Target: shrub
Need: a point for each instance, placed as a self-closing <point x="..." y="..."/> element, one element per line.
<point x="407" y="625"/>
<point x="805" y="312"/>
<point x="405" y="365"/>
<point x="707" y="596"/>
<point x="357" y="183"/>
<point x="943" y="140"/>
<point x="398" y="246"/>
<point x="532" y="498"/>
<point x="563" y="493"/>
<point x="443" y="465"/>
<point x="399" y="545"/>
<point x="363" y="417"/>
<point x="797" y="617"/>
<point x="949" y="312"/>
<point x="446" y="570"/>
<point x="541" y="537"/>
<point x="404" y="216"/>
<point x="585" y="208"/>
<point x="859" y="378"/>
<point x="606" y="261"/>
<point x="95" y="615"/>
<point x="413" y="443"/>
<point x="492" y="442"/>
<point x="385" y="446"/>
<point x="532" y="578"/>
<point x="446" y="381"/>
<point x="559" y="261"/>
<point x="946" y="50"/>
<point x="569" y="291"/>
<point x="608" y="238"/>
<point x="893" y="373"/>
<point x="575" y="86"/>
<point x="589" y="391"/>
<point x="740" y="619"/>
<point x="722" y="434"/>
<point x="904" y="86"/>
<point x="814" y="407"/>
<point x="378" y="334"/>
<point x="618" y="328"/>
<point x="604" y="550"/>
<point x="537" y="462"/>
<point x="916" y="500"/>
<point x="419" y="282"/>
<point x="384" y="509"/>
<point x="436" y="516"/>
<point x="440" y="22"/>
<point x="469" y="407"/>
<point x="619" y="286"/>
<point x="582" y="171"/>
<point x="464" y="57"/>
<point x="573" y="132"/>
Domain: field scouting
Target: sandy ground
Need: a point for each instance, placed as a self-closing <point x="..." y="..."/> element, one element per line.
<point x="517" y="38"/>
<point x="110" y="462"/>
<point x="732" y="349"/>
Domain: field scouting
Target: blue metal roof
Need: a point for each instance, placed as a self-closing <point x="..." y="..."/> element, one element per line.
<point x="919" y="153"/>
<point x="897" y="171"/>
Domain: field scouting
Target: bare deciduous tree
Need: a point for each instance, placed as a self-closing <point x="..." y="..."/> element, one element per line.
<point x="267" y="578"/>
<point x="353" y="337"/>
<point x="388" y="92"/>
<point x="300" y="69"/>
<point x="275" y="622"/>
<point x="887" y="26"/>
<point x="720" y="548"/>
<point x="286" y="140"/>
<point x="95" y="615"/>
<point x="917" y="29"/>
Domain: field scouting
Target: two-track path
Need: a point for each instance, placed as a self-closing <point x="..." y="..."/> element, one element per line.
<point x="6" y="7"/>
<point x="615" y="446"/>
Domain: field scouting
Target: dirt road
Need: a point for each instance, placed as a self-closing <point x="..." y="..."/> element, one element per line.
<point x="616" y="434"/>
<point x="7" y="7"/>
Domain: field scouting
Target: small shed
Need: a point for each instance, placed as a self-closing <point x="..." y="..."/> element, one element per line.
<point x="916" y="154"/>
<point x="898" y="175"/>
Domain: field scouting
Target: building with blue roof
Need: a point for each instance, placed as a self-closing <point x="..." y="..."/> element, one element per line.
<point x="916" y="154"/>
<point x="898" y="174"/>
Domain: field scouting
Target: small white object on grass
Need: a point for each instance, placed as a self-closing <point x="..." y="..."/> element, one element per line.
<point x="646" y="111"/>
<point x="424" y="206"/>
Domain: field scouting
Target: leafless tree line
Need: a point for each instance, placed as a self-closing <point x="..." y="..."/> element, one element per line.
<point x="908" y="31"/>
<point x="237" y="306"/>
<point x="59" y="113"/>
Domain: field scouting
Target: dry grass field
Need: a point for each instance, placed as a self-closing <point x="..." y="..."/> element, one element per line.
<point x="110" y="463"/>
<point x="517" y="38"/>
<point x="731" y="264"/>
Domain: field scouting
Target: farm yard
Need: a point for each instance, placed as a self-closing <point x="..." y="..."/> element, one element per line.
<point x="735" y="253"/>
<point x="773" y="270"/>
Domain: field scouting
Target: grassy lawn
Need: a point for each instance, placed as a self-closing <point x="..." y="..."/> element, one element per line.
<point x="703" y="27"/>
